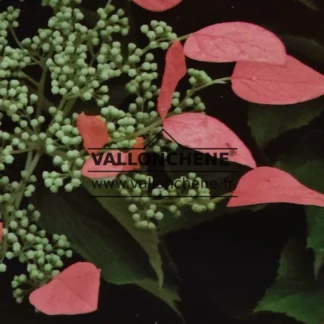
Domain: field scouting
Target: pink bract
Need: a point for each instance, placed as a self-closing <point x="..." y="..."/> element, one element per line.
<point x="73" y="291"/>
<point x="157" y="5"/>
<point x="271" y="185"/>
<point x="93" y="131"/>
<point x="175" y="70"/>
<point x="235" y="41"/>
<point x="207" y="135"/>
<point x="277" y="85"/>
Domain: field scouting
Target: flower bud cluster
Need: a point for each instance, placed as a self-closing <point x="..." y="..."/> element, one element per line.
<point x="41" y="253"/>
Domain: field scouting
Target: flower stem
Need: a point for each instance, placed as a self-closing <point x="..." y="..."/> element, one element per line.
<point x="203" y="86"/>
<point x="31" y="80"/>
<point x="41" y="90"/>
<point x="216" y="81"/>
<point x="14" y="35"/>
<point x="30" y="168"/>
<point x="216" y="200"/>
<point x="184" y="37"/>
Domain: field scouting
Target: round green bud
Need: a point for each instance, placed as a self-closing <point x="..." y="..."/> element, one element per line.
<point x="150" y="213"/>
<point x="151" y="226"/>
<point x="132" y="208"/>
<point x="48" y="267"/>
<point x="159" y="216"/>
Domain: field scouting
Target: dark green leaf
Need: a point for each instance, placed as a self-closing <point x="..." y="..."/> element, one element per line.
<point x="315" y="220"/>
<point x="118" y="208"/>
<point x="295" y="291"/>
<point x="226" y="177"/>
<point x="189" y="219"/>
<point x="168" y="294"/>
<point x="267" y="122"/>
<point x="305" y="163"/>
<point x="107" y="244"/>
<point x="305" y="46"/>
<point x="318" y="263"/>
<point x="310" y="4"/>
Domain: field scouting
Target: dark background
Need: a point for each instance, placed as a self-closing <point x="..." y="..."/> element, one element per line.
<point x="225" y="265"/>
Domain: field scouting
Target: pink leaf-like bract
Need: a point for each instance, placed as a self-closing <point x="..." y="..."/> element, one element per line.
<point x="270" y="185"/>
<point x="157" y="5"/>
<point x="92" y="170"/>
<point x="93" y="131"/>
<point x="207" y="135"/>
<point x="175" y="70"/>
<point x="73" y="291"/>
<point x="277" y="85"/>
<point x="1" y="231"/>
<point x="235" y="41"/>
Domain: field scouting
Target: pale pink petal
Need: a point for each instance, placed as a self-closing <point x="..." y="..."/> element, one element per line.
<point x="207" y="135"/>
<point x="277" y="85"/>
<point x="73" y="291"/>
<point x="93" y="131"/>
<point x="157" y="5"/>
<point x="235" y="41"/>
<point x="270" y="185"/>
<point x="175" y="70"/>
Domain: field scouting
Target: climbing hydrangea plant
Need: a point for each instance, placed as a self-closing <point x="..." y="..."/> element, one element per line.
<point x="76" y="61"/>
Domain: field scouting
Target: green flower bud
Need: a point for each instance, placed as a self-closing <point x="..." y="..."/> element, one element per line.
<point x="3" y="267"/>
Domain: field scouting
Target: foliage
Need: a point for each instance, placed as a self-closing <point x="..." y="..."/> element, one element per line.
<point x="90" y="124"/>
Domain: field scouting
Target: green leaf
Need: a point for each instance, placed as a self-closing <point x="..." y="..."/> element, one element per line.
<point x="222" y="175"/>
<point x="315" y="220"/>
<point x="302" y="158"/>
<point x="295" y="291"/>
<point x="298" y="162"/>
<point x="309" y="48"/>
<point x="190" y="219"/>
<point x="311" y="4"/>
<point x="318" y="263"/>
<point x="106" y="244"/>
<point x="267" y="122"/>
<point x="168" y="294"/>
<point x="118" y="208"/>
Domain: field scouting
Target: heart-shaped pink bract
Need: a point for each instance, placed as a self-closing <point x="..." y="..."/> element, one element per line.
<point x="277" y="85"/>
<point x="157" y="5"/>
<point x="93" y="131"/>
<point x="124" y="162"/>
<point x="235" y="41"/>
<point x="175" y="70"/>
<point x="207" y="135"/>
<point x="73" y="291"/>
<point x="270" y="185"/>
